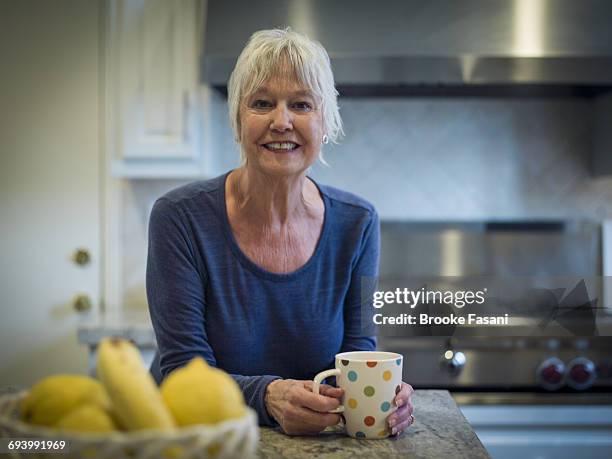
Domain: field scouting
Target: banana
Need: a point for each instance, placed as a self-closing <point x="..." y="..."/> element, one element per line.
<point x="137" y="401"/>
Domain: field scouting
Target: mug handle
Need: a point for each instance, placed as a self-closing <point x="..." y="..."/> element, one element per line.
<point x="317" y="382"/>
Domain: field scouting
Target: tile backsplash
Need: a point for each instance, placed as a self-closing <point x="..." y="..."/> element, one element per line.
<point x="426" y="159"/>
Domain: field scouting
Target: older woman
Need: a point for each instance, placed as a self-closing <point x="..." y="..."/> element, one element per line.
<point x="259" y="270"/>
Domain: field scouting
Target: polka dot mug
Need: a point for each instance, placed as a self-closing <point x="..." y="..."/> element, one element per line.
<point x="370" y="381"/>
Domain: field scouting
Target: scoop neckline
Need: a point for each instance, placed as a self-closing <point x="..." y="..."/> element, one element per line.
<point x="254" y="267"/>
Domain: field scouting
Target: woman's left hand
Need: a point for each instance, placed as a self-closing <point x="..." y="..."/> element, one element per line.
<point x="402" y="418"/>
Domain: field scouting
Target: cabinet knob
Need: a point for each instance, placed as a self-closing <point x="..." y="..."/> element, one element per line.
<point x="81" y="257"/>
<point x="82" y="303"/>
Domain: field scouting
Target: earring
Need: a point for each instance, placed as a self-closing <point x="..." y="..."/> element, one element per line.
<point x="325" y="139"/>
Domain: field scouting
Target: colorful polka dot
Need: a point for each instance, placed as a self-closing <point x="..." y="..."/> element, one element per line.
<point x="345" y="362"/>
<point x="397" y="389"/>
<point x="369" y="421"/>
<point x="398" y="361"/>
<point x="360" y="434"/>
<point x="387" y="375"/>
<point x="371" y="364"/>
<point x="385" y="406"/>
<point x="352" y="376"/>
<point x="383" y="433"/>
<point x="368" y="391"/>
<point x="352" y="403"/>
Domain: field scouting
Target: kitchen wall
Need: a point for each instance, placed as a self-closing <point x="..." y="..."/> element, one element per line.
<point x="428" y="159"/>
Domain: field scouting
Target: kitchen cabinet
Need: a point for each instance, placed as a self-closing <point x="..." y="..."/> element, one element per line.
<point x="51" y="201"/>
<point x="154" y="114"/>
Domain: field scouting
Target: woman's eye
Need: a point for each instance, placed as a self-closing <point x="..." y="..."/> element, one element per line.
<point x="259" y="103"/>
<point x="305" y="106"/>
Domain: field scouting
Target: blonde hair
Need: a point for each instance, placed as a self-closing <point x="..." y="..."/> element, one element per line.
<point x="283" y="52"/>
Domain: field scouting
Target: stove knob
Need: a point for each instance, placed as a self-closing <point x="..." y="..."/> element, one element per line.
<point x="453" y="361"/>
<point x="550" y="373"/>
<point x="581" y="373"/>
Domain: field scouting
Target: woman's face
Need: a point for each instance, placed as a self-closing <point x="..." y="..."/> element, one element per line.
<point x="281" y="128"/>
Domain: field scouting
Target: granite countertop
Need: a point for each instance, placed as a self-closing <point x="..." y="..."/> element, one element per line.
<point x="440" y="430"/>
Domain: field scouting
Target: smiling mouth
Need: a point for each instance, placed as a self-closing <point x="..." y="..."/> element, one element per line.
<point x="281" y="147"/>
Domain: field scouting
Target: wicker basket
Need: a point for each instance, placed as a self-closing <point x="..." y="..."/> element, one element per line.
<point x="236" y="438"/>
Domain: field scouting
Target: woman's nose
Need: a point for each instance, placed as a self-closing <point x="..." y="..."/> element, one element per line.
<point x="281" y="118"/>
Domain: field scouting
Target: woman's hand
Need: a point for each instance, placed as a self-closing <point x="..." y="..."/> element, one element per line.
<point x="402" y="418"/>
<point x="298" y="410"/>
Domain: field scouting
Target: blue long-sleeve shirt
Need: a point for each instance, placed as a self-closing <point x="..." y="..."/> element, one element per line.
<point x="207" y="298"/>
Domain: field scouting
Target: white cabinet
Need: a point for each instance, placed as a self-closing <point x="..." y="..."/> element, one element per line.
<point x="153" y="112"/>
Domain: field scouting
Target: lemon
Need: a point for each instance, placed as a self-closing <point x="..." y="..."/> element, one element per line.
<point x="55" y="396"/>
<point x="87" y="418"/>
<point x="200" y="394"/>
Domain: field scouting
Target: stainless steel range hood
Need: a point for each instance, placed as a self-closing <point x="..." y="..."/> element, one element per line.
<point x="395" y="43"/>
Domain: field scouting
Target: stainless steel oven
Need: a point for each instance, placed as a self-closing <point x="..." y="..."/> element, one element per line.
<point x="527" y="393"/>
